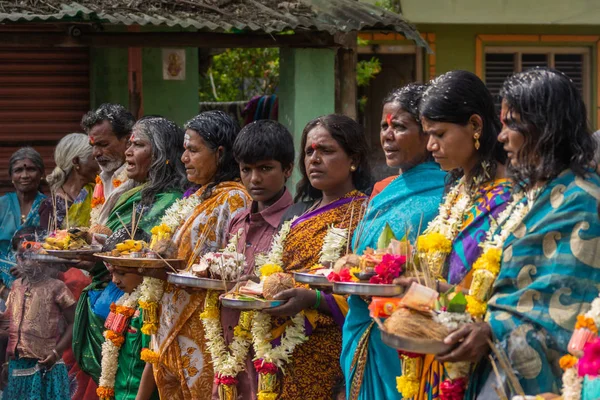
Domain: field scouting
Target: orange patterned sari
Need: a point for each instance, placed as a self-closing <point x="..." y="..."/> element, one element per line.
<point x="184" y="371"/>
<point x="314" y="369"/>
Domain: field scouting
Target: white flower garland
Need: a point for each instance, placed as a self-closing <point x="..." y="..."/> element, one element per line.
<point x="275" y="255"/>
<point x="294" y="335"/>
<point x="110" y="352"/>
<point x="227" y="360"/>
<point x="333" y="244"/>
<point x="180" y="211"/>
<point x="451" y="213"/>
<point x="572" y="384"/>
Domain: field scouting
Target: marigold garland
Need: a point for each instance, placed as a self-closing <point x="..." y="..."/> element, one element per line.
<point x="149" y="356"/>
<point x="567" y="361"/>
<point x="121" y="311"/>
<point x="584" y="322"/>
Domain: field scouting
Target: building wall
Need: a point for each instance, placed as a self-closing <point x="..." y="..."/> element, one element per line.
<point x="176" y="100"/>
<point x="462" y="46"/>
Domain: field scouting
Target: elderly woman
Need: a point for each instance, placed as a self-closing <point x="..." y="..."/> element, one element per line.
<point x="71" y="184"/>
<point x="183" y="370"/>
<point x="549" y="268"/>
<point x="21" y="207"/>
<point x="401" y="202"/>
<point x="335" y="174"/>
<point x="153" y="163"/>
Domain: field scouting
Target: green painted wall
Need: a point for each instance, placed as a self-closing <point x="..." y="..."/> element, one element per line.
<point x="108" y="76"/>
<point x="306" y="90"/>
<point x="176" y="100"/>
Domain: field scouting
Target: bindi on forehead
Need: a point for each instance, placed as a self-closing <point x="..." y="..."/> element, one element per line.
<point x="388" y="119"/>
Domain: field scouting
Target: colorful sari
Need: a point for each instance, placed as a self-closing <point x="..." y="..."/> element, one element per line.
<point x="314" y="369"/>
<point x="78" y="212"/>
<point x="409" y="200"/>
<point x="489" y="202"/>
<point x="550" y="273"/>
<point x="95" y="300"/>
<point x="10" y="222"/>
<point x="183" y="370"/>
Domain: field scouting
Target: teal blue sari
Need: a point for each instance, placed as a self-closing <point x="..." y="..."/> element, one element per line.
<point x="10" y="222"/>
<point x="410" y="199"/>
<point x="550" y="273"/>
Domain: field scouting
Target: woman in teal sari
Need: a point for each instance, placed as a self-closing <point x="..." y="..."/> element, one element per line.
<point x="401" y="202"/>
<point x="550" y="268"/>
<point x="21" y="207"/>
<point x="154" y="164"/>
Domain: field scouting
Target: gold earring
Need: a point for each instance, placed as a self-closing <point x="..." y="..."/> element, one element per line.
<point x="352" y="168"/>
<point x="476" y="137"/>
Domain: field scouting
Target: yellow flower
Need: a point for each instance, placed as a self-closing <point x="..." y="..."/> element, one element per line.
<point x="262" y="395"/>
<point x="584" y="322"/>
<point x="210" y="313"/>
<point x="407" y="387"/>
<point x="149" y="328"/>
<point x="475" y="307"/>
<point x="353" y="272"/>
<point x="317" y="266"/>
<point x="240" y="331"/>
<point x="161" y="229"/>
<point x="434" y="242"/>
<point x="269" y="269"/>
<point x="567" y="361"/>
<point x="149" y="356"/>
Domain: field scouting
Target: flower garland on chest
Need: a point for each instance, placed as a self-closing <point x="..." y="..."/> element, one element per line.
<point x="151" y="292"/>
<point x="485" y="271"/>
<point x="228" y="361"/>
<point x="174" y="217"/>
<point x="116" y="324"/>
<point x="434" y="245"/>
<point x="269" y="360"/>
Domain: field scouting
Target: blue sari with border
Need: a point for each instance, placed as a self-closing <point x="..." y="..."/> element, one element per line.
<point x="413" y="196"/>
<point x="550" y="273"/>
<point x="10" y="222"/>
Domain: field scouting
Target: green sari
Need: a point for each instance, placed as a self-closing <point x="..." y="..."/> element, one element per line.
<point x="89" y="326"/>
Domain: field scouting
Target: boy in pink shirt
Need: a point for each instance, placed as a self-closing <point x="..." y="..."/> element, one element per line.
<point x="264" y="150"/>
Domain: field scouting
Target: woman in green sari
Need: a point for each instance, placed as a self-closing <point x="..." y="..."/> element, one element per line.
<point x="153" y="163"/>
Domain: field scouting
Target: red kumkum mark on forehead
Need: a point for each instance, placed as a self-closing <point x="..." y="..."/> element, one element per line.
<point x="314" y="146"/>
<point x="388" y="119"/>
<point x="92" y="141"/>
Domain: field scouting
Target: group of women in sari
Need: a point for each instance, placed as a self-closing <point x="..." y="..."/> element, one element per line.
<point x="451" y="147"/>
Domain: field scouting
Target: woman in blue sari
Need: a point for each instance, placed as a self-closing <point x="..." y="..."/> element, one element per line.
<point x="550" y="268"/>
<point x="21" y="207"/>
<point x="401" y="202"/>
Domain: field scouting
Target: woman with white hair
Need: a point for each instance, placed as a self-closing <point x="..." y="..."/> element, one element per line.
<point x="71" y="183"/>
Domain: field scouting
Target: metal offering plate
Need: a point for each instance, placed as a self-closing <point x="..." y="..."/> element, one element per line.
<point x="367" y="289"/>
<point x="74" y="254"/>
<point x="246" y="303"/>
<point x="317" y="280"/>
<point x="141" y="262"/>
<point x="197" y="282"/>
<point x="414" y="345"/>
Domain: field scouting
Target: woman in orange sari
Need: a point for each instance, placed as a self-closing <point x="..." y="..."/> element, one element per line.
<point x="335" y="172"/>
<point x="200" y="222"/>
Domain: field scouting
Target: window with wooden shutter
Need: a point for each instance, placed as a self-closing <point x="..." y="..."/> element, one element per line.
<point x="574" y="62"/>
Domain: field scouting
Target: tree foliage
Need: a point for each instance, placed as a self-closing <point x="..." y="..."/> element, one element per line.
<point x="240" y="74"/>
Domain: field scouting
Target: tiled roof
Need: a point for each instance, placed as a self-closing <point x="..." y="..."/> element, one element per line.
<point x="258" y="16"/>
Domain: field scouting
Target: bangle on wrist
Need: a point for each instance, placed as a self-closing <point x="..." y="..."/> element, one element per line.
<point x="317" y="300"/>
<point x="56" y="354"/>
